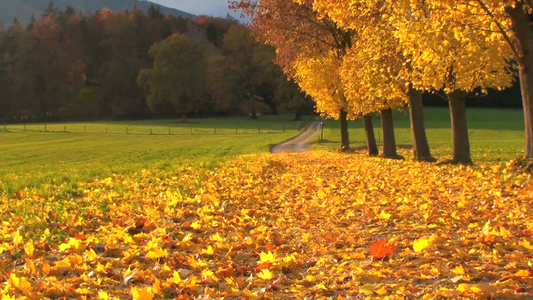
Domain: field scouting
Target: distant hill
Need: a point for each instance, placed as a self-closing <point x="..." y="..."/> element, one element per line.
<point x="23" y="9"/>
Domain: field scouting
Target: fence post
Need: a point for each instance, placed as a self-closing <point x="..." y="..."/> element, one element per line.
<point x="215" y="130"/>
<point x="44" y="127"/>
<point x="127" y="130"/>
<point x="169" y="131"/>
<point x="65" y="128"/>
<point x="259" y="129"/>
<point x="236" y="130"/>
<point x="5" y="127"/>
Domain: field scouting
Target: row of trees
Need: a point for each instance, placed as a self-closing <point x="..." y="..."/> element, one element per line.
<point x="360" y="57"/>
<point x="135" y="65"/>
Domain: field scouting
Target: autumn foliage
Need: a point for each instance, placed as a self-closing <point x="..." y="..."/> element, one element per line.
<point x="277" y="226"/>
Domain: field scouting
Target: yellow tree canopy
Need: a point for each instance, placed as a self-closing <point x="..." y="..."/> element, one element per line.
<point x="318" y="75"/>
<point x="440" y="46"/>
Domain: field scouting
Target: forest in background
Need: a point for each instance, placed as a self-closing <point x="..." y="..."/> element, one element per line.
<point x="68" y="66"/>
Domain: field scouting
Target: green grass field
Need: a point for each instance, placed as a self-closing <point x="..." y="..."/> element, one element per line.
<point x="65" y="154"/>
<point x="495" y="134"/>
<point x="69" y="153"/>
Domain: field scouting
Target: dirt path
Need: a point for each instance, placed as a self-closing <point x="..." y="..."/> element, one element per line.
<point x="299" y="143"/>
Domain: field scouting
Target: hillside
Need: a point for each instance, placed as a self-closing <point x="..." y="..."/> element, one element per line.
<point x="23" y="9"/>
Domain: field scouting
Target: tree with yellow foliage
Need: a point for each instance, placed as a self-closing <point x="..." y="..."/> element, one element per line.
<point x="309" y="49"/>
<point x="376" y="70"/>
<point x="509" y="23"/>
<point x="438" y="53"/>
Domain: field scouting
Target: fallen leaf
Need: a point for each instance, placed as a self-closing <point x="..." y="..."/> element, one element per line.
<point x="378" y="249"/>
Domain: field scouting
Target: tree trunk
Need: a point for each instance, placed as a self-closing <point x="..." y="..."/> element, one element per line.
<point x="253" y="115"/>
<point x="461" y="144"/>
<point x="521" y="25"/>
<point x="298" y="116"/>
<point x="370" y="137"/>
<point x="389" y="141"/>
<point x="526" y="87"/>
<point x="345" y="140"/>
<point x="418" y="129"/>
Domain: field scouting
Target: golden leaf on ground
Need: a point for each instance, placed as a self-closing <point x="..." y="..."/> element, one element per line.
<point x="459" y="270"/>
<point x="265" y="274"/>
<point x="28" y="248"/>
<point x="208" y="251"/>
<point x="421" y="244"/>
<point x="103" y="295"/>
<point x="157" y="253"/>
<point x="266" y="257"/>
<point x="142" y="294"/>
<point x="20" y="283"/>
<point x="522" y="273"/>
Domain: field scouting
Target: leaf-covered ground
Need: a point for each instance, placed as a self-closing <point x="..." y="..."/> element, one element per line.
<point x="277" y="226"/>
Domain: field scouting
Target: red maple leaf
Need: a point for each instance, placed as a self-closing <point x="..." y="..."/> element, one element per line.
<point x="378" y="249"/>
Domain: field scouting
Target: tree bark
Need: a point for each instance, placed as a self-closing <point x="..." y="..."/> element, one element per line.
<point x="345" y="140"/>
<point x="370" y="137"/>
<point x="460" y="141"/>
<point x="418" y="129"/>
<point x="522" y="26"/>
<point x="389" y="141"/>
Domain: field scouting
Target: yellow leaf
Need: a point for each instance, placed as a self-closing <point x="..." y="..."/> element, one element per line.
<point x="458" y="270"/>
<point x="195" y="225"/>
<point x="421" y="244"/>
<point x="208" y="274"/>
<point x="522" y="273"/>
<point x="82" y="291"/>
<point x="20" y="283"/>
<point x="176" y="278"/>
<point x="266" y="257"/>
<point x="382" y="292"/>
<point x="384" y="215"/>
<point x="103" y="295"/>
<point x="191" y="282"/>
<point x="17" y="238"/>
<point x="289" y="258"/>
<point x="64" y="247"/>
<point x="156" y="288"/>
<point x="28" y="248"/>
<point x="526" y="244"/>
<point x="265" y="274"/>
<point x="90" y="255"/>
<point x="208" y="251"/>
<point x="463" y="287"/>
<point x="157" y="253"/>
<point x="142" y="294"/>
<point x="216" y="238"/>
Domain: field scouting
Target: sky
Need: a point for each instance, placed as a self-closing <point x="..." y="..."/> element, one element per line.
<point x="216" y="8"/>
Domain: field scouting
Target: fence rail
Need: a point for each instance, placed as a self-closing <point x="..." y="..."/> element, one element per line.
<point x="143" y="130"/>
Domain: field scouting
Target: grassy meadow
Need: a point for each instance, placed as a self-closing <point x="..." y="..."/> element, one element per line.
<point x="495" y="134"/>
<point x="67" y="153"/>
<point x="34" y="155"/>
